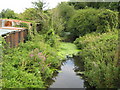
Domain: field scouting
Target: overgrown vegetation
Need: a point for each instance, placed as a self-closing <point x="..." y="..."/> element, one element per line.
<point x="100" y="56"/>
<point x="98" y="5"/>
<point x="92" y="20"/>
<point x="93" y="27"/>
<point x="30" y="64"/>
<point x="98" y="41"/>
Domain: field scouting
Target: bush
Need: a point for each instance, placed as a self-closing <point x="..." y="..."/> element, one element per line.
<point x="107" y="21"/>
<point x="90" y="20"/>
<point x="30" y="64"/>
<point x="99" y="53"/>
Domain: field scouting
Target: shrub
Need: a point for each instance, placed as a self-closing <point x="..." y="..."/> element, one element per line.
<point x="30" y="64"/>
<point x="107" y="20"/>
<point x="100" y="59"/>
<point x="90" y="20"/>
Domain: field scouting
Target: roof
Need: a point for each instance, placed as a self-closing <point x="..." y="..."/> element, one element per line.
<point x="16" y="21"/>
<point x="6" y="31"/>
<point x="12" y="28"/>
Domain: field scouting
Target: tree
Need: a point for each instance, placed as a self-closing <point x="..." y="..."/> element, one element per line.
<point x="57" y="21"/>
<point x="107" y="5"/>
<point x="8" y="13"/>
<point x="39" y="5"/>
<point x="66" y="12"/>
<point x="28" y="14"/>
<point x="42" y="16"/>
<point x="78" y="5"/>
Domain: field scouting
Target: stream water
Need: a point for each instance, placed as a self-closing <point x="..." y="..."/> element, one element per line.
<point x="68" y="77"/>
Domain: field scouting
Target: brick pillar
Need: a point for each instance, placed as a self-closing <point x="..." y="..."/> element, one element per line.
<point x="16" y="39"/>
<point x="12" y="43"/>
<point x="21" y="36"/>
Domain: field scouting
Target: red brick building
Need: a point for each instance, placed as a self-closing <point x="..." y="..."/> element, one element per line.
<point x="13" y="35"/>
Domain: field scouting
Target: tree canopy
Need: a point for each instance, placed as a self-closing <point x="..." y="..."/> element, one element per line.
<point x="28" y="14"/>
<point x="8" y="13"/>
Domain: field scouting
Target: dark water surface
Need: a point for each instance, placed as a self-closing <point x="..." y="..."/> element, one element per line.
<point x="67" y="77"/>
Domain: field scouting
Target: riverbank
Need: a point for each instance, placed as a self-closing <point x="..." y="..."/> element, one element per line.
<point x="99" y="53"/>
<point x="32" y="63"/>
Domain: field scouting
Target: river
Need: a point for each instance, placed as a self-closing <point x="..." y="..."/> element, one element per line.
<point x="67" y="76"/>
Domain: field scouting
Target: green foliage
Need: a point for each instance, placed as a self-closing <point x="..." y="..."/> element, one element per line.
<point x="78" y="5"/>
<point x="107" y="5"/>
<point x="97" y="5"/>
<point x="28" y="14"/>
<point x="52" y="39"/>
<point x="39" y="5"/>
<point x="107" y="20"/>
<point x="65" y="11"/>
<point x="83" y="19"/>
<point x="22" y="25"/>
<point x="30" y="64"/>
<point x="8" y="13"/>
<point x="99" y="53"/>
<point x="51" y="24"/>
<point x="68" y="49"/>
<point x="57" y="21"/>
<point x="33" y="62"/>
<point x="1" y="60"/>
<point x="90" y="20"/>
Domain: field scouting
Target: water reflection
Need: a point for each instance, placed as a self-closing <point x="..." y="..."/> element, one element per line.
<point x="68" y="78"/>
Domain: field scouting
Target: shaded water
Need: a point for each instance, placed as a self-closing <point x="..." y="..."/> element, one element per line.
<point x="67" y="77"/>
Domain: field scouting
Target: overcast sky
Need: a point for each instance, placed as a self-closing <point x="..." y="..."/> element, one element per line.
<point x="19" y="5"/>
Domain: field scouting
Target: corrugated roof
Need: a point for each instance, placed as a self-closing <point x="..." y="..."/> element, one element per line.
<point x="6" y="31"/>
<point x="12" y="28"/>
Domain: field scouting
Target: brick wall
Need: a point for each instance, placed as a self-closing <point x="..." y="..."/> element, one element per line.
<point x="13" y="39"/>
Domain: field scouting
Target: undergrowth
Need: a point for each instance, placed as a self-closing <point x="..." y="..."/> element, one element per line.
<point x="30" y="64"/>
